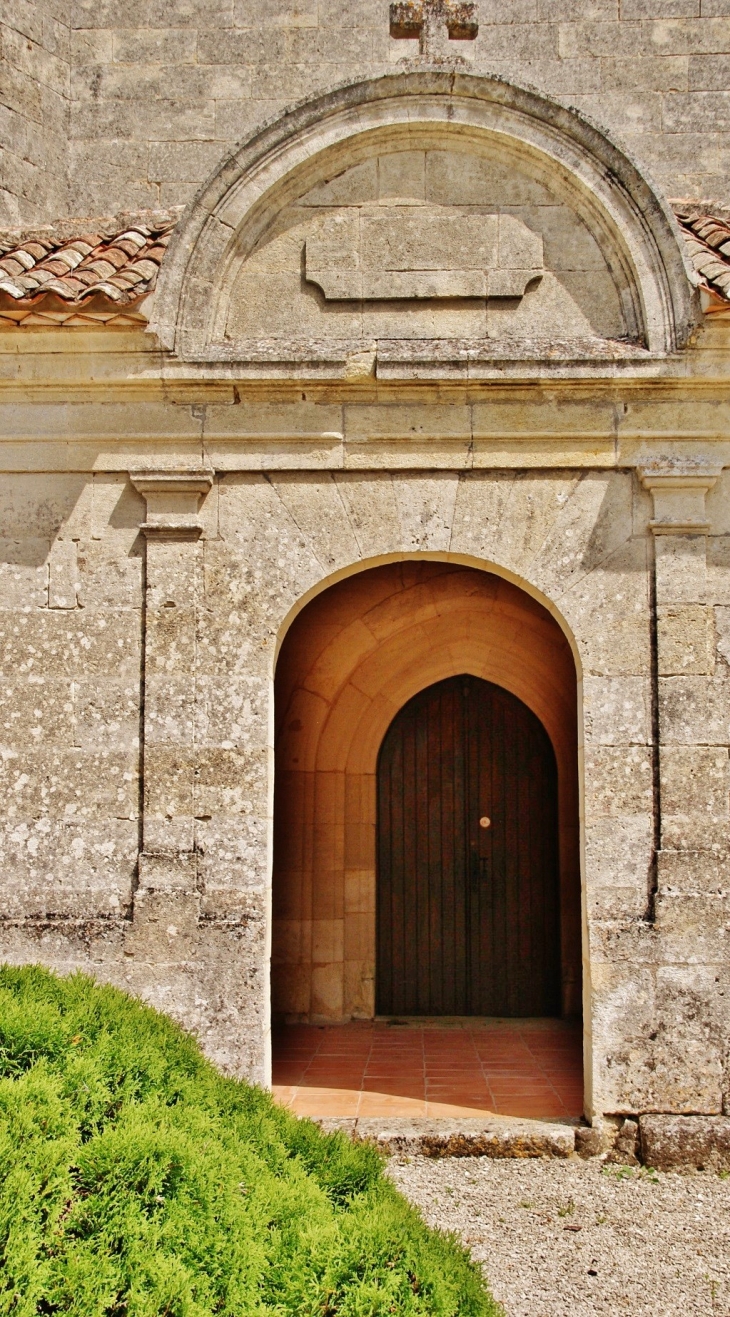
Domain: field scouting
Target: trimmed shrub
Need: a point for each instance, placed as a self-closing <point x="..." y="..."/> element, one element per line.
<point x="137" y="1181"/>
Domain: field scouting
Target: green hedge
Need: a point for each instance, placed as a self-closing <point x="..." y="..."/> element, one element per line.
<point x="137" y="1181"/>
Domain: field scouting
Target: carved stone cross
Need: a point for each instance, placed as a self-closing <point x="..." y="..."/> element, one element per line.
<point x="434" y="24"/>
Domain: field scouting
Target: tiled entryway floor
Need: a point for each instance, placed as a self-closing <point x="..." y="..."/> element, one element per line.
<point x="464" y="1067"/>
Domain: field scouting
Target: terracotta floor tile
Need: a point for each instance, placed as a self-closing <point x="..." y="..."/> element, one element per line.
<point x="394" y="1065"/>
<point x="530" y="1093"/>
<point x="444" y="1110"/>
<point x="382" y="1104"/>
<point x="335" y="1063"/>
<point x="345" y="1053"/>
<point x="514" y="1076"/>
<point x="509" y="1060"/>
<point x="459" y="1093"/>
<point x="284" y="1092"/>
<point x="460" y="1067"/>
<point x="478" y="1101"/>
<point x="460" y="1082"/>
<point x="334" y="1080"/>
<point x="391" y="1050"/>
<point x="313" y="1102"/>
<point x="323" y="1108"/>
<point x="330" y="1067"/>
<point x="399" y="1090"/>
<point x="530" y="1110"/>
<point x="448" y="1076"/>
<point x="379" y="1056"/>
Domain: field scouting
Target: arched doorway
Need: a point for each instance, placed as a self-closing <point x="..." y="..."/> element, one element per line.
<point x="468" y="887"/>
<point x="351" y="660"/>
<point x="371" y="664"/>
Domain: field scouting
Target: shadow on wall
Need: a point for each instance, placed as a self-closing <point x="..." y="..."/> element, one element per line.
<point x="62" y="533"/>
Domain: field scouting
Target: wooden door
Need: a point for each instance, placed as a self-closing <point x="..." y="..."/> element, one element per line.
<point x="467" y="913"/>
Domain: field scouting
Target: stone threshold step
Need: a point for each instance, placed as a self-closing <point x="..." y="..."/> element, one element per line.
<point x="468" y="1137"/>
<point x="663" y="1140"/>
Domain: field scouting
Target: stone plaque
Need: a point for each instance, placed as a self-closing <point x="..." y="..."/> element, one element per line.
<point x="421" y="253"/>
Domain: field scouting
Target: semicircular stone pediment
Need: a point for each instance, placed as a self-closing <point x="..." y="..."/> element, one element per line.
<point x="427" y="245"/>
<point x="483" y="228"/>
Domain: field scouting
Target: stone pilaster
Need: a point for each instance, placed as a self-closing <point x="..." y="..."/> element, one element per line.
<point x="167" y="864"/>
<point x="690" y="787"/>
<point x="691" y="696"/>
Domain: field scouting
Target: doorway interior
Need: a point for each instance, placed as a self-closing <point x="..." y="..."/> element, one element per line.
<point x="426" y="881"/>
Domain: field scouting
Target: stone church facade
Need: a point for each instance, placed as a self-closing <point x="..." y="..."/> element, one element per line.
<point x="396" y="349"/>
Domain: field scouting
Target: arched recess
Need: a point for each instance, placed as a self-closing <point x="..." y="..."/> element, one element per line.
<point x="352" y="658"/>
<point x="321" y="138"/>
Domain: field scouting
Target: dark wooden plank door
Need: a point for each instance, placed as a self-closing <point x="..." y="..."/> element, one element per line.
<point x="467" y="915"/>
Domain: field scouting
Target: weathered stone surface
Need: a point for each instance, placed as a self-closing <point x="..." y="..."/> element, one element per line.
<point x="468" y="1137"/>
<point x="670" y="1143"/>
<point x="624" y="1150"/>
<point x="203" y="973"/>
<point x="260" y="53"/>
<point x="685" y="635"/>
<point x="589" y="1142"/>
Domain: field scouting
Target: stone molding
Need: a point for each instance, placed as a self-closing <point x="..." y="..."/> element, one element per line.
<point x="333" y="131"/>
<point x="679" y="491"/>
<point x="173" y="499"/>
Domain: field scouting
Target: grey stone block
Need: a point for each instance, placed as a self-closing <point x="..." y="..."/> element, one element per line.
<point x="182" y="160"/>
<point x="660" y="9"/>
<point x="698" y="111"/>
<point x="673" y="1142"/>
<point x="624" y="1151"/>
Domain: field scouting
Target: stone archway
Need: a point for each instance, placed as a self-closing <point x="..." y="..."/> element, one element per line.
<point x="351" y="659"/>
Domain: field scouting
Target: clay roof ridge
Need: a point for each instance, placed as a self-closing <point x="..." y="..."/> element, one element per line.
<point x="705" y="227"/>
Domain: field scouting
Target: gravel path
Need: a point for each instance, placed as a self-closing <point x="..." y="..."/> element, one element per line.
<point x="648" y="1243"/>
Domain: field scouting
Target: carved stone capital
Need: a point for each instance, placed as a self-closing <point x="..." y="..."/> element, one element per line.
<point x="679" y="490"/>
<point x="173" y="500"/>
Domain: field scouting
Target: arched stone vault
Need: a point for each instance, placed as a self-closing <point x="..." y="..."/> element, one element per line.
<point x="349" y="662"/>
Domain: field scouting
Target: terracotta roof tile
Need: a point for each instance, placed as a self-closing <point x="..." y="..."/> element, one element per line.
<point x="115" y="260"/>
<point x="706" y="231"/>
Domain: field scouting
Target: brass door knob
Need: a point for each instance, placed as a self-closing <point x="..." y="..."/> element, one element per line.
<point x="484" y="822"/>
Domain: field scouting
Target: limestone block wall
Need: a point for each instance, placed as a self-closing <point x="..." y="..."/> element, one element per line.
<point x="35" y="72"/>
<point x="155" y="96"/>
<point x="111" y="717"/>
<point x="159" y="97"/>
<point x="71" y="603"/>
<point x="436" y="205"/>
<point x="676" y="1048"/>
<point x="580" y="541"/>
<point x="141" y="635"/>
